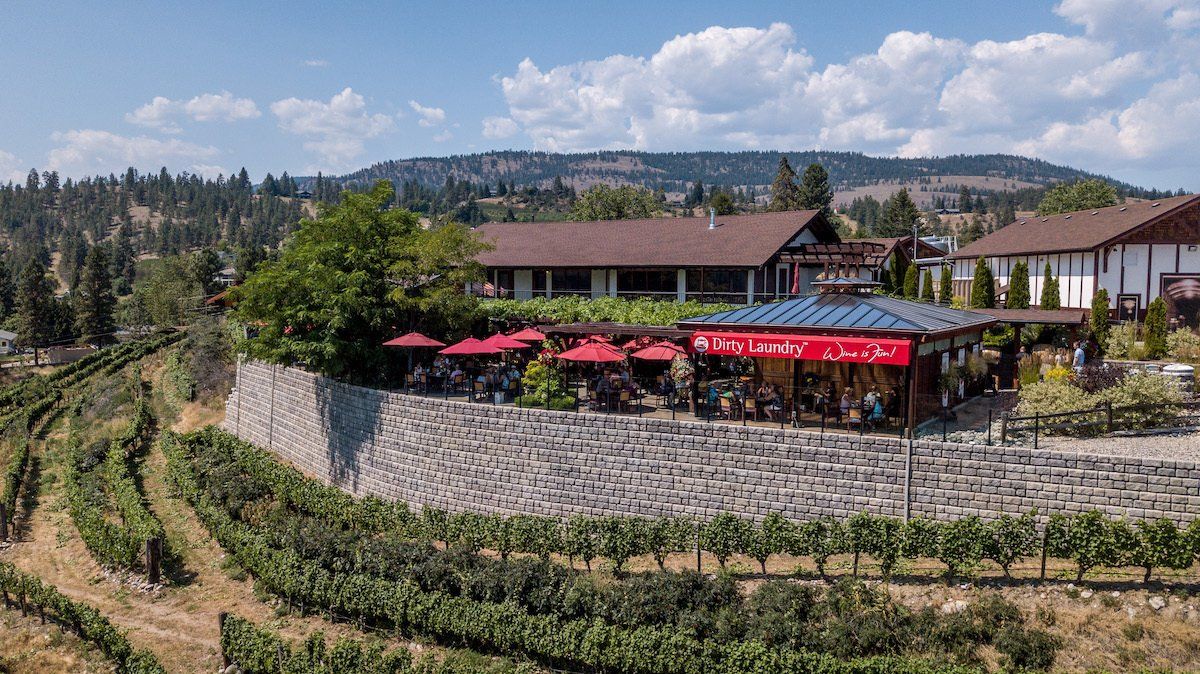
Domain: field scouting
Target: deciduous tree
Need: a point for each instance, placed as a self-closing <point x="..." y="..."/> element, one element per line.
<point x="602" y="202"/>
<point x="1082" y="195"/>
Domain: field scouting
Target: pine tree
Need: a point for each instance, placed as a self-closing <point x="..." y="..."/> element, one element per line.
<point x="1018" y="287"/>
<point x="946" y="285"/>
<point x="94" y="300"/>
<point x="7" y="289"/>
<point x="35" y="305"/>
<point x="983" y="292"/>
<point x="899" y="215"/>
<point x="927" y="286"/>
<point x="885" y="281"/>
<point x="785" y="195"/>
<point x="814" y="191"/>
<point x="1156" y="329"/>
<point x="964" y="199"/>
<point x="1099" y="319"/>
<point x="899" y="268"/>
<point x="910" y="282"/>
<point x="1050" y="295"/>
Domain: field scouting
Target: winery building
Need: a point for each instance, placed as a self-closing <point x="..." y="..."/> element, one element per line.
<point x="1137" y="251"/>
<point x="738" y="259"/>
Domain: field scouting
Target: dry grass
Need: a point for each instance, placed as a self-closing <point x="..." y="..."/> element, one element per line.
<point x="27" y="647"/>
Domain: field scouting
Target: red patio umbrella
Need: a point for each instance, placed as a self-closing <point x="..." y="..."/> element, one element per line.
<point x="501" y="341"/>
<point x="600" y="338"/>
<point x="592" y="353"/>
<point x="413" y="339"/>
<point x="660" y="351"/>
<point x="528" y="335"/>
<point x="470" y="347"/>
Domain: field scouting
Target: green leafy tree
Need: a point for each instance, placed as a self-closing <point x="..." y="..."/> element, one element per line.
<point x="820" y="539"/>
<point x="1090" y="542"/>
<point x="94" y="299"/>
<point x="203" y="265"/>
<point x="983" y="292"/>
<point x="35" y="305"/>
<point x="1051" y="297"/>
<point x="946" y="285"/>
<point x="725" y="535"/>
<point x="169" y="296"/>
<point x="1018" y="287"/>
<point x="1099" y="319"/>
<point x="961" y="544"/>
<point x="722" y="203"/>
<point x="350" y="279"/>
<point x="785" y="195"/>
<point x="1079" y="196"/>
<point x="910" y="282"/>
<point x="927" y="286"/>
<point x="814" y="191"/>
<point x="1156" y="328"/>
<point x="602" y="202"/>
<point x="899" y="215"/>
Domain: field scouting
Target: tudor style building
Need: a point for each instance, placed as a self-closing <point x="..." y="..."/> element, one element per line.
<point x="740" y="259"/>
<point x="1137" y="251"/>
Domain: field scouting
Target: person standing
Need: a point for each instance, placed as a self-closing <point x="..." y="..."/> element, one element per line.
<point x="1080" y="357"/>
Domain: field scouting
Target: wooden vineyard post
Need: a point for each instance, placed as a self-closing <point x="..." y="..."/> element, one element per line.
<point x="3" y="522"/>
<point x="154" y="559"/>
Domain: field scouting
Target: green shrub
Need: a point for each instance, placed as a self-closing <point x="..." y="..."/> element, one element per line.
<point x="1184" y="345"/>
<point x="1027" y="649"/>
<point x="1121" y="340"/>
<point x="1156" y="328"/>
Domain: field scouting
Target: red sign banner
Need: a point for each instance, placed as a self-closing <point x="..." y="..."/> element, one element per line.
<point x="802" y="347"/>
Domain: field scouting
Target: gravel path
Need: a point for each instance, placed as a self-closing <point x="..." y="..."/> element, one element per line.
<point x="1180" y="446"/>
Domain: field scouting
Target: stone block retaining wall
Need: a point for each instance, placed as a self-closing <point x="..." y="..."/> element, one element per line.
<point x="464" y="456"/>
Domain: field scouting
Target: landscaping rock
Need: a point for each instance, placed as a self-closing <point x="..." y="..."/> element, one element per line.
<point x="1157" y="603"/>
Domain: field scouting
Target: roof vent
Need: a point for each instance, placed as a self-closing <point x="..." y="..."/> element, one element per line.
<point x="1043" y="219"/>
<point x="1067" y="217"/>
<point x="1095" y="212"/>
<point x="1154" y="205"/>
<point x="1022" y="222"/>
<point x="1122" y="208"/>
<point x="712" y="218"/>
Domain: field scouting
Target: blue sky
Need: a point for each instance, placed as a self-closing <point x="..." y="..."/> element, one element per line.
<point x="1105" y="85"/>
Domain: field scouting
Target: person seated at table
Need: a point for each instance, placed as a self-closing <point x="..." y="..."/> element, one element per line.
<point x="624" y="375"/>
<point x="870" y="398"/>
<point x="712" y="397"/>
<point x="846" y="403"/>
<point x="418" y="371"/>
<point x="876" y="413"/>
<point x="774" y="404"/>
<point x="763" y="395"/>
<point x="603" y="386"/>
<point x="892" y="407"/>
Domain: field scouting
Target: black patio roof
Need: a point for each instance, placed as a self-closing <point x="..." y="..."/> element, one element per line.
<point x="847" y="311"/>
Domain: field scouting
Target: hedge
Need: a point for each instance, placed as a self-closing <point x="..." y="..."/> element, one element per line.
<point x="14" y="474"/>
<point x="83" y="619"/>
<point x="256" y="650"/>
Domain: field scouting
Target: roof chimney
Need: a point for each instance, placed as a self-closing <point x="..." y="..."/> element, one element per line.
<point x="712" y="217"/>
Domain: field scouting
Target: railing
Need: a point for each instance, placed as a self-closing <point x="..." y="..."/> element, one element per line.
<point x="1103" y="419"/>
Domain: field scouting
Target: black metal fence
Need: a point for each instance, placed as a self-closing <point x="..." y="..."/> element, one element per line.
<point x="1103" y="419"/>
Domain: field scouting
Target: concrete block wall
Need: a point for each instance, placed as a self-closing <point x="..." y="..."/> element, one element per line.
<point x="464" y="456"/>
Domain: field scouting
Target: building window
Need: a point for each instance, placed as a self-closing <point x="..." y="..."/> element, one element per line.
<point x="571" y="281"/>
<point x="505" y="281"/>
<point x="539" y="280"/>
<point x="717" y="285"/>
<point x="660" y="283"/>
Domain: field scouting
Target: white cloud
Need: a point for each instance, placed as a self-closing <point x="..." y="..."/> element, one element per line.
<point x="316" y="63"/>
<point x="499" y="127"/>
<point x="163" y="113"/>
<point x="222" y="107"/>
<point x="159" y="113"/>
<point x="444" y="136"/>
<point x="1099" y="95"/>
<point x="84" y="152"/>
<point x="10" y="168"/>
<point x="335" y="130"/>
<point x="429" y="116"/>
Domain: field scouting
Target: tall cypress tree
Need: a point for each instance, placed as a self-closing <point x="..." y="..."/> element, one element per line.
<point x="946" y="285"/>
<point x="1099" y="319"/>
<point x="785" y="196"/>
<point x="983" y="292"/>
<point x="814" y="192"/>
<point x="927" y="286"/>
<point x="94" y="300"/>
<point x="910" y="282"/>
<point x="1051" y="298"/>
<point x="1156" y="329"/>
<point x="1018" y="287"/>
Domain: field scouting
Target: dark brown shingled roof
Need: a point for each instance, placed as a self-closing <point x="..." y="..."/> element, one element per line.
<point x="1081" y="230"/>
<point x="737" y="241"/>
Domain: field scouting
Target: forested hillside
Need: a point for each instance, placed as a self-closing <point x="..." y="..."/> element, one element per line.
<point x="676" y="171"/>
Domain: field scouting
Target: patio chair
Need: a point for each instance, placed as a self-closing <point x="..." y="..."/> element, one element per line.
<point x="624" y="403"/>
<point x="410" y="382"/>
<point x="479" y="391"/>
<point x="750" y="409"/>
<point x="456" y="384"/>
<point x="726" y="409"/>
<point x="854" y="416"/>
